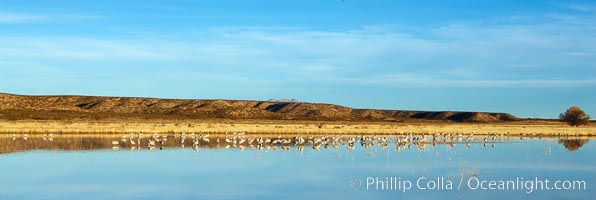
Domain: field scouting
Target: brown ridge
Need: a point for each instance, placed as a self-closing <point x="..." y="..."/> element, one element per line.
<point x="16" y="107"/>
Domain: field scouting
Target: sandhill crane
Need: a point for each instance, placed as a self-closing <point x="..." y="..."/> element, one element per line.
<point x="470" y="137"/>
<point x="351" y="147"/>
<point x="383" y="139"/>
<point x="351" y="140"/>
<point x="285" y="148"/>
<point x="298" y="140"/>
<point x="336" y="145"/>
<point x="316" y="147"/>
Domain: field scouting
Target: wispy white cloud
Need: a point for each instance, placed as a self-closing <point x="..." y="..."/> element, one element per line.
<point x="575" y="6"/>
<point x="418" y="81"/>
<point x="43" y="48"/>
<point x="498" y="55"/>
<point x="18" y="18"/>
<point x="466" y="54"/>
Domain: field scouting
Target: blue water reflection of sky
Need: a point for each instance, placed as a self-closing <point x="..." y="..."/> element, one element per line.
<point x="176" y="173"/>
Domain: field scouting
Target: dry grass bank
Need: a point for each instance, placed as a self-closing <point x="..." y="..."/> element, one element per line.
<point x="289" y="127"/>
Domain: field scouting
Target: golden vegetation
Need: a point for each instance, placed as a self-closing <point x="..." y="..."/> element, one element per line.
<point x="85" y="114"/>
<point x="290" y="127"/>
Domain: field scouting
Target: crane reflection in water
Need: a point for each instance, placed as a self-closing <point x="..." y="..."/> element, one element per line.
<point x="242" y="141"/>
<point x="257" y="166"/>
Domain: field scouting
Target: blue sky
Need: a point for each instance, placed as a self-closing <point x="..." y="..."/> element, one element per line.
<point x="522" y="57"/>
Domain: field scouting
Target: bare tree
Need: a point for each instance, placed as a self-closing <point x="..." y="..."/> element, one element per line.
<point x="575" y="116"/>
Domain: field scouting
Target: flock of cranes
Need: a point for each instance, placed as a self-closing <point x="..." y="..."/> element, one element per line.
<point x="25" y="136"/>
<point x="241" y="140"/>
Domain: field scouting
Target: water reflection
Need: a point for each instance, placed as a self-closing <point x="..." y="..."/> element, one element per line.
<point x="260" y="166"/>
<point x="573" y="144"/>
<point x="241" y="141"/>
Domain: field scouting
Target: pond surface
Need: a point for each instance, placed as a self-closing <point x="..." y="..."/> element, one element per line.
<point x="332" y="167"/>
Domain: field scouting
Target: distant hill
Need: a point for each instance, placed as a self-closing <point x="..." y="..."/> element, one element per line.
<point x="14" y="107"/>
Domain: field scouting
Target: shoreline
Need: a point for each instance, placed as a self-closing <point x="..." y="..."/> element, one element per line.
<point x="527" y="128"/>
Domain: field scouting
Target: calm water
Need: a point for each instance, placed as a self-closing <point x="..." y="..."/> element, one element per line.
<point x="70" y="167"/>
